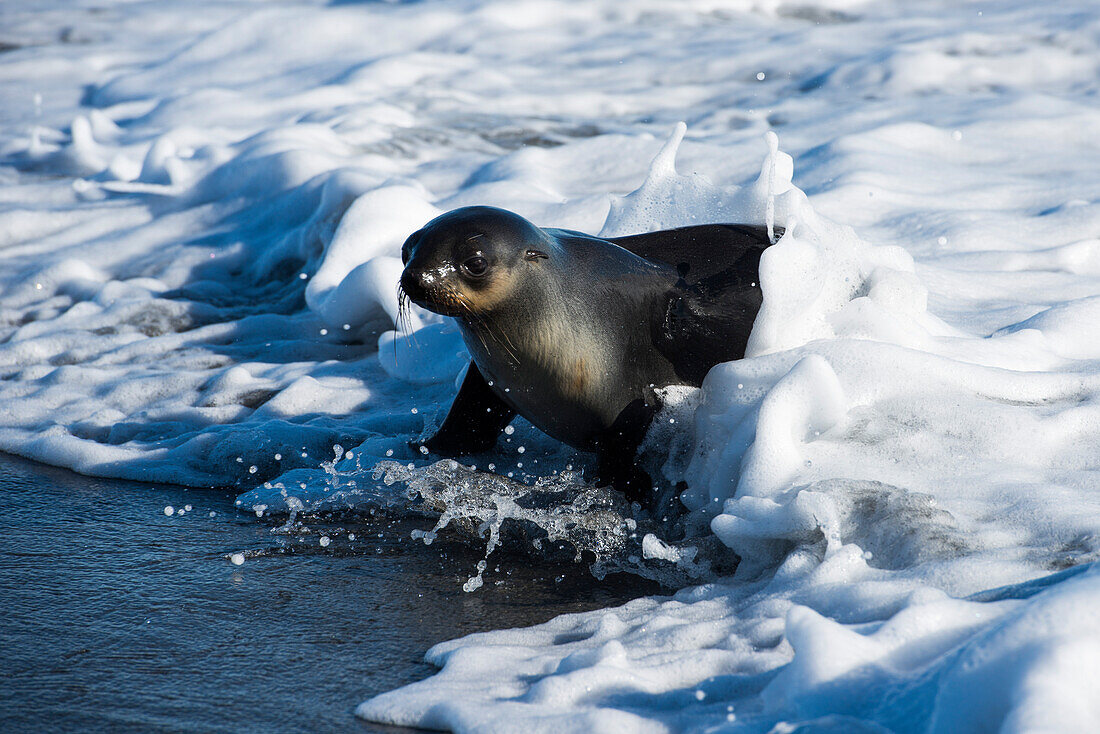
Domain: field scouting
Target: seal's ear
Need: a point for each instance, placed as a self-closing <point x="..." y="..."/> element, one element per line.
<point x="536" y="254"/>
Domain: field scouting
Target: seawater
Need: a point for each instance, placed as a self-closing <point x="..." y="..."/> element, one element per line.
<point x="118" y="616"/>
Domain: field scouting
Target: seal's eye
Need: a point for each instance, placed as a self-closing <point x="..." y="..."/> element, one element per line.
<point x="476" y="266"/>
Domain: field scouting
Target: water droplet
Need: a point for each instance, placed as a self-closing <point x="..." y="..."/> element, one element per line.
<point x="760" y="76"/>
<point x="324" y="541"/>
<point x="169" y="510"/>
<point x="237" y="559"/>
<point x="509" y="430"/>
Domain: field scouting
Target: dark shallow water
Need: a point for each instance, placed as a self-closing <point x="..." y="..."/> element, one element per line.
<point x="114" y="616"/>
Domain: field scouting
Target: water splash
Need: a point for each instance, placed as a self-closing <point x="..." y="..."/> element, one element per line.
<point x="559" y="515"/>
<point x="769" y="215"/>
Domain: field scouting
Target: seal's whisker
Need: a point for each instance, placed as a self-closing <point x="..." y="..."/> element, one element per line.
<point x="410" y="333"/>
<point x="399" y="322"/>
<point x="405" y="314"/>
<point x="511" y="344"/>
<point x="404" y="321"/>
<point x="475" y="319"/>
<point x="479" y="331"/>
<point x="500" y="338"/>
<point x="508" y="346"/>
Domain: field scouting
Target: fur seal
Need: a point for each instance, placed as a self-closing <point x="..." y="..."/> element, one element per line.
<point x="574" y="332"/>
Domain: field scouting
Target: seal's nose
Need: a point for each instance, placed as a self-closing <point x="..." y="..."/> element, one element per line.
<point x="413" y="284"/>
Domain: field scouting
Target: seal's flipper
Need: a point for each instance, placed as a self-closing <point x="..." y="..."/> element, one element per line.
<point x="617" y="451"/>
<point x="617" y="469"/>
<point x="706" y="249"/>
<point x="476" y="418"/>
<point x="708" y="321"/>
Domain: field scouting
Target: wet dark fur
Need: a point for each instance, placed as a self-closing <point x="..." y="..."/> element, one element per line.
<point x="654" y="309"/>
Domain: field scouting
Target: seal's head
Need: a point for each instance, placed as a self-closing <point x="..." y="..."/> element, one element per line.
<point x="467" y="261"/>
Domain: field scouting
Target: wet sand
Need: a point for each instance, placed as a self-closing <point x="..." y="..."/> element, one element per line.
<point x="118" y="617"/>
